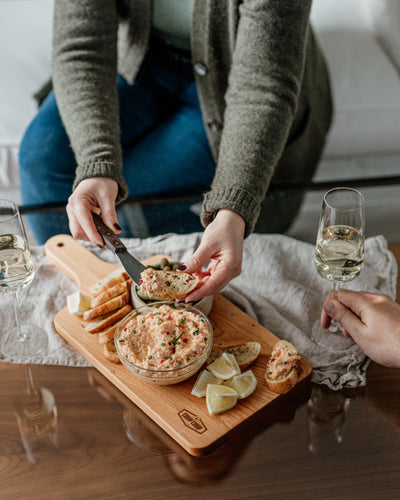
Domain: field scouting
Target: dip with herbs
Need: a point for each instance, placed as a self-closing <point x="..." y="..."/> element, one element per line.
<point x="164" y="338"/>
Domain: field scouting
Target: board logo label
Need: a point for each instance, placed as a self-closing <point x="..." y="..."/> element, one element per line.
<point x="192" y="421"/>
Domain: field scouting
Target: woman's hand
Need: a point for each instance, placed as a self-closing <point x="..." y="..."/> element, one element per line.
<point x="222" y="244"/>
<point x="95" y="194"/>
<point x="371" y="320"/>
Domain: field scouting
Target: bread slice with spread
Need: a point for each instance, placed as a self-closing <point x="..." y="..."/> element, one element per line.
<point x="283" y="367"/>
<point x="166" y="285"/>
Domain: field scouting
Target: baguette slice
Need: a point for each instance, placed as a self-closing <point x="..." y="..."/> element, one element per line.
<point x="107" y="307"/>
<point x="108" y="334"/>
<point x="283" y="367"/>
<point x="112" y="279"/>
<point x="171" y="285"/>
<point x="103" y="322"/>
<point x="112" y="292"/>
<point x="245" y="354"/>
<point x="110" y="352"/>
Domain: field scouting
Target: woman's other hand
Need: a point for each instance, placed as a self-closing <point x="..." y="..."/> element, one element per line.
<point x="222" y="245"/>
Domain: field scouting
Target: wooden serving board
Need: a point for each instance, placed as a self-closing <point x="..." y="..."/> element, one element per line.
<point x="183" y="416"/>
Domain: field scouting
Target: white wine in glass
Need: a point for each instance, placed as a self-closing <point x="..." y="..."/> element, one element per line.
<point x="339" y="253"/>
<point x="16" y="273"/>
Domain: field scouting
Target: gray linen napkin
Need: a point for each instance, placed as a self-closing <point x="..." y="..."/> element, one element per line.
<point x="278" y="287"/>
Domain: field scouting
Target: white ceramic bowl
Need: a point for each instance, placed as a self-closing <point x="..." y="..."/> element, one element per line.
<point x="165" y="376"/>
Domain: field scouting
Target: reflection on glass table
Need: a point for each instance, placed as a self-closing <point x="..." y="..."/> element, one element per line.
<point x="36" y="413"/>
<point x="146" y="435"/>
<point x="326" y="411"/>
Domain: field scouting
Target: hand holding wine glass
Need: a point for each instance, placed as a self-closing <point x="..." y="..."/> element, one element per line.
<point x="16" y="273"/>
<point x="339" y="254"/>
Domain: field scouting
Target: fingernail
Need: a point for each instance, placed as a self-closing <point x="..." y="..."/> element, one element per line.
<point x="117" y="227"/>
<point x="181" y="268"/>
<point x="330" y="307"/>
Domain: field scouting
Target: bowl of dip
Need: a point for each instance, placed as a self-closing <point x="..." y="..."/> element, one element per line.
<point x="164" y="343"/>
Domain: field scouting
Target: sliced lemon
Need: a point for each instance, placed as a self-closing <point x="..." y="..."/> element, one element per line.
<point x="225" y="366"/>
<point x="78" y="303"/>
<point x="244" y="384"/>
<point x="220" y="398"/>
<point x="200" y="386"/>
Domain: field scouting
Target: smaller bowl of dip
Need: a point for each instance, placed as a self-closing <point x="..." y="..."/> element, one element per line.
<point x="164" y="343"/>
<point x="204" y="305"/>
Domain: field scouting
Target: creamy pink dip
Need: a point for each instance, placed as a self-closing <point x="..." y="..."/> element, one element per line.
<point x="163" y="284"/>
<point x="283" y="359"/>
<point x="164" y="339"/>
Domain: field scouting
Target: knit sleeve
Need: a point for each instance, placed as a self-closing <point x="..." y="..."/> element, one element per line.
<point x="84" y="77"/>
<point x="261" y="98"/>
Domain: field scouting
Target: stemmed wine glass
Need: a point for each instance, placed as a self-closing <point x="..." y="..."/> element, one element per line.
<point x="16" y="273"/>
<point x="339" y="253"/>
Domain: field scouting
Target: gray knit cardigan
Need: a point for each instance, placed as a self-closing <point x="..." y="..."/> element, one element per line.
<point x="264" y="90"/>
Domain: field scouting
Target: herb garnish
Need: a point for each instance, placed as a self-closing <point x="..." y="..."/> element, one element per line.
<point x="175" y="341"/>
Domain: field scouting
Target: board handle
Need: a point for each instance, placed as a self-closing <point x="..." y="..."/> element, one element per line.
<point x="76" y="261"/>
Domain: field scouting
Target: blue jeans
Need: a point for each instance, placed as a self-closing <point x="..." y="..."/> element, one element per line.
<point x="164" y="145"/>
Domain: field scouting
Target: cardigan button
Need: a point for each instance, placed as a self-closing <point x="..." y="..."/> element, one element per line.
<point x="214" y="125"/>
<point x="200" y="69"/>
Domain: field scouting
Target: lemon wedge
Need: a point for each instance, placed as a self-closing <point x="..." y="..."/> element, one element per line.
<point x="78" y="303"/>
<point x="200" y="386"/>
<point x="220" y="398"/>
<point x="244" y="384"/>
<point x="224" y="367"/>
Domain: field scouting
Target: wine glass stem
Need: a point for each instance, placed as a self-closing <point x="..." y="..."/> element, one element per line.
<point x="20" y="333"/>
<point x="30" y="386"/>
<point x="334" y="326"/>
<point x="336" y="287"/>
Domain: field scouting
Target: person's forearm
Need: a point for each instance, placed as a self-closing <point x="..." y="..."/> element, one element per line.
<point x="84" y="77"/>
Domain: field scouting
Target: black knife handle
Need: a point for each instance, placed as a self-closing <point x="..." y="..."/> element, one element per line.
<point x="110" y="239"/>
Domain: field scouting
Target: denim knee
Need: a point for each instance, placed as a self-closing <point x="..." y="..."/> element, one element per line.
<point x="47" y="168"/>
<point x="46" y="161"/>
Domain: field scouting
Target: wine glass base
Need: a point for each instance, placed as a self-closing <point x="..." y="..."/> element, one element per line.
<point x="29" y="341"/>
<point x="333" y="328"/>
<point x="332" y="341"/>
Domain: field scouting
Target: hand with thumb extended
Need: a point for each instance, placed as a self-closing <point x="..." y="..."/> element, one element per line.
<point x="371" y="320"/>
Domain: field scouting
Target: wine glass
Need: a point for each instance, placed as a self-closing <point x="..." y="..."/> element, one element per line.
<point x="16" y="273"/>
<point x="339" y="253"/>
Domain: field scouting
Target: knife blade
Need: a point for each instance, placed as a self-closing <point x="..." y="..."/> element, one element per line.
<point x="132" y="266"/>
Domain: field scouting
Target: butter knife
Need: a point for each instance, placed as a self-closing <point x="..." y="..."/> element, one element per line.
<point x="132" y="266"/>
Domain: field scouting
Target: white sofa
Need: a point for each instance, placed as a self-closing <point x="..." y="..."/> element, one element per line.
<point x="25" y="61"/>
<point x="361" y="40"/>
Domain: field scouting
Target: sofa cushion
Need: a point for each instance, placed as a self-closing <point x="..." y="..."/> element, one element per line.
<point x="383" y="19"/>
<point x="365" y="83"/>
<point x="25" y="59"/>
